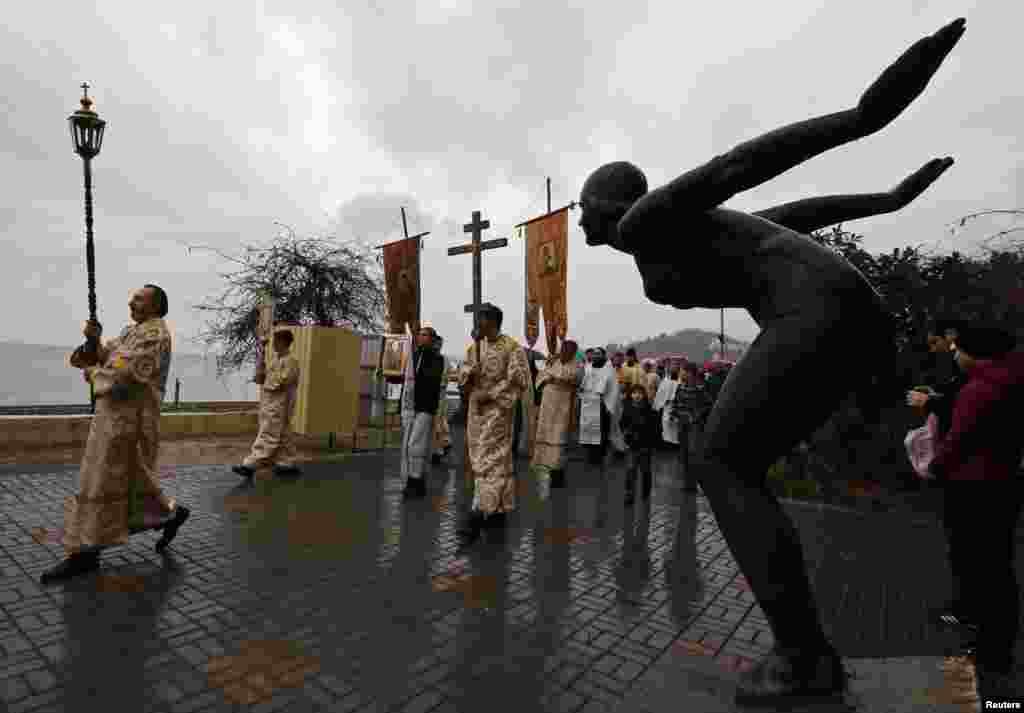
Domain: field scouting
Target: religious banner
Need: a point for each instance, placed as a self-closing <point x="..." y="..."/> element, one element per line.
<point x="392" y="356"/>
<point x="402" y="279"/>
<point x="547" y="250"/>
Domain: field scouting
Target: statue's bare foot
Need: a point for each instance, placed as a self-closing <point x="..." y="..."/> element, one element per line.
<point x="904" y="80"/>
<point x="917" y="183"/>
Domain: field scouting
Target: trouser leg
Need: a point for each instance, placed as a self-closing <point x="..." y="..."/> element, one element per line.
<point x="952" y="512"/>
<point x="632" y="469"/>
<point x="983" y="527"/>
<point x="689" y="481"/>
<point x="646" y="471"/>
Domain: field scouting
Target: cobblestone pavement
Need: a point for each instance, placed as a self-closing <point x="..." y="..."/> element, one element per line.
<point x="329" y="593"/>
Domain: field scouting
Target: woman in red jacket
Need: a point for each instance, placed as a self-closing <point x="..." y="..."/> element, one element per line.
<point x="978" y="461"/>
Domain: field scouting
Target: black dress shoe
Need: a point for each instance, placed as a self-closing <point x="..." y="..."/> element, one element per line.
<point x="244" y="471"/>
<point x="779" y="679"/>
<point x="76" y="564"/>
<point x="181" y="514"/>
<point x="495" y="521"/>
<point x="558" y="478"/>
<point x="471" y="528"/>
<point x="494" y="524"/>
<point x="415" y="488"/>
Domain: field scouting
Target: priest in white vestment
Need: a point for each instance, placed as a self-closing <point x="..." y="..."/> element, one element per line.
<point x="600" y="408"/>
<point x="663" y="401"/>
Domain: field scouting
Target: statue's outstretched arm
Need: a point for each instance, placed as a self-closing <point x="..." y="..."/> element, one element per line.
<point x="812" y="214"/>
<point x="756" y="161"/>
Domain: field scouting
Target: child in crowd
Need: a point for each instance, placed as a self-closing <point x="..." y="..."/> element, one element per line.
<point x="641" y="427"/>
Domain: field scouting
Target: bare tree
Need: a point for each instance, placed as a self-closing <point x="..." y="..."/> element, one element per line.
<point x="314" y="281"/>
<point x="987" y="242"/>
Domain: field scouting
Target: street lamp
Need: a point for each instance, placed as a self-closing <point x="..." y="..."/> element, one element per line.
<point x="87" y="136"/>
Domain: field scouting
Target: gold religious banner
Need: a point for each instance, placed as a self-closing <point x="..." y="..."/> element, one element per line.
<point x="402" y="278"/>
<point x="547" y="252"/>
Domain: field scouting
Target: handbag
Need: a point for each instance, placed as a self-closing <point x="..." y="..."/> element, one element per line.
<point x="920" y="444"/>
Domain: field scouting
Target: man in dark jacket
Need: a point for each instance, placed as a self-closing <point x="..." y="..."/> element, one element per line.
<point x="978" y="462"/>
<point x="946" y="379"/>
<point x="418" y="427"/>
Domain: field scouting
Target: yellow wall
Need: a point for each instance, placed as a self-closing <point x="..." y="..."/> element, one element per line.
<point x="328" y="394"/>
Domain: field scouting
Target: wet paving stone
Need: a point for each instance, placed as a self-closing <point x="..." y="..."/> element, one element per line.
<point x="331" y="592"/>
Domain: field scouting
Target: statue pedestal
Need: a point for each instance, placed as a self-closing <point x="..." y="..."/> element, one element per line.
<point x="327" y="400"/>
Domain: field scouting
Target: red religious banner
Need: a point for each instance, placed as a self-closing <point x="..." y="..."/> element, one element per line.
<point x="402" y="279"/>
<point x="547" y="250"/>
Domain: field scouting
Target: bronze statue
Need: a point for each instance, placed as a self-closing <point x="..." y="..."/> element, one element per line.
<point x="810" y="303"/>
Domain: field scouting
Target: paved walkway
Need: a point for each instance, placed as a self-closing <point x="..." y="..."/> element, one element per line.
<point x="329" y="593"/>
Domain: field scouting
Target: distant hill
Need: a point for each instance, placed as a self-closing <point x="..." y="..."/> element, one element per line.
<point x="693" y="343"/>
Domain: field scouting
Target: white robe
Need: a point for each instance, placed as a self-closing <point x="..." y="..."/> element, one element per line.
<point x="663" y="402"/>
<point x="599" y="385"/>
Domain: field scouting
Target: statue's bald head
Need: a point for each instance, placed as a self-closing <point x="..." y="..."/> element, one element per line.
<point x="616" y="182"/>
<point x="607" y="194"/>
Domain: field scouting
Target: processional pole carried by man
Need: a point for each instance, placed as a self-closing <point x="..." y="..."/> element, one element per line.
<point x="476" y="247"/>
<point x="87" y="136"/>
<point x="396" y="311"/>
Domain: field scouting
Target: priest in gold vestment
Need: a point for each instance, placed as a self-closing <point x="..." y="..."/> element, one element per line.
<point x="560" y="380"/>
<point x="119" y="487"/>
<point x="495" y="384"/>
<point x="275" y="442"/>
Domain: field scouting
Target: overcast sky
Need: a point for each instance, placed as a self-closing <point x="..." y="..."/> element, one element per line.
<point x="225" y="117"/>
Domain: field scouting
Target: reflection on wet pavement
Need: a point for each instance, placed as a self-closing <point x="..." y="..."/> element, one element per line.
<point x="330" y="590"/>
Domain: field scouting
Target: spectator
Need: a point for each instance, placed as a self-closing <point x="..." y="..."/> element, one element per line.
<point x="945" y="380"/>
<point x="690" y="408"/>
<point x="618" y="359"/>
<point x="662" y="406"/>
<point x="977" y="461"/>
<point x="650" y="379"/>
<point x="640" y="427"/>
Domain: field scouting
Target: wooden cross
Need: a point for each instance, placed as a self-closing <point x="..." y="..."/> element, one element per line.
<point x="476" y="247"/>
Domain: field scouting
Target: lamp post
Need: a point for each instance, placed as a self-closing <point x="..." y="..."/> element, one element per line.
<point x="87" y="136"/>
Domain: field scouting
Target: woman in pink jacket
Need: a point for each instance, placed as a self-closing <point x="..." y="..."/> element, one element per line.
<point x="978" y="461"/>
